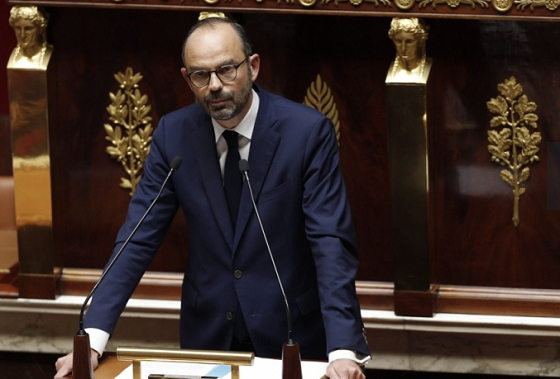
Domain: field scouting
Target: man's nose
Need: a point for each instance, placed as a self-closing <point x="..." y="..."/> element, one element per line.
<point x="215" y="83"/>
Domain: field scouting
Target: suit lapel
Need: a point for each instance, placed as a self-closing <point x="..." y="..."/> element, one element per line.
<point x="263" y="147"/>
<point x="204" y="145"/>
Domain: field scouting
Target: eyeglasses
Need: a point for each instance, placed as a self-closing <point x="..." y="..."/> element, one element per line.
<point x="227" y="73"/>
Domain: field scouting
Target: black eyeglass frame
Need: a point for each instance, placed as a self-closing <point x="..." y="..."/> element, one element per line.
<point x="209" y="72"/>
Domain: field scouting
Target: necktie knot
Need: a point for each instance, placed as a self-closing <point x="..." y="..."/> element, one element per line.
<point x="231" y="138"/>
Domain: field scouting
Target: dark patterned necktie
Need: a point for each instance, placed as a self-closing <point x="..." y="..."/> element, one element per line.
<point x="233" y="180"/>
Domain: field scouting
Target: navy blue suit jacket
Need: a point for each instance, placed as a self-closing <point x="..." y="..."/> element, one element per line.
<point x="300" y="194"/>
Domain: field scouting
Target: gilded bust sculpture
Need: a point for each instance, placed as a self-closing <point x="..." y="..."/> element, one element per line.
<point x="411" y="65"/>
<point x="30" y="26"/>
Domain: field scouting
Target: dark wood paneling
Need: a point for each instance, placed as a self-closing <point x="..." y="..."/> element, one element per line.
<point x="464" y="9"/>
<point x="88" y="204"/>
<point x="553" y="176"/>
<point x="93" y="45"/>
<point x="6" y="47"/>
<point x="498" y="301"/>
<point x="154" y="285"/>
<point x="372" y="295"/>
<point x="416" y="303"/>
<point x="37" y="286"/>
<point x="475" y="242"/>
<point x="5" y="145"/>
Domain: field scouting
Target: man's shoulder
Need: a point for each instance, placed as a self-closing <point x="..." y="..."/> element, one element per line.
<point x="288" y="107"/>
<point x="182" y="121"/>
<point x="190" y="112"/>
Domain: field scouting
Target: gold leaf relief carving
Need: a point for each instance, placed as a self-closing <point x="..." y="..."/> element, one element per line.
<point x="453" y="3"/>
<point x="514" y="146"/>
<point x="358" y="2"/>
<point x="130" y="133"/>
<point x="319" y="97"/>
<point x="551" y="5"/>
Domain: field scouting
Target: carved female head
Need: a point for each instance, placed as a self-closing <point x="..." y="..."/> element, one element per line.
<point x="409" y="36"/>
<point x="30" y="26"/>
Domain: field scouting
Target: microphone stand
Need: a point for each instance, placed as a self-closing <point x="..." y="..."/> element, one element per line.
<point x="81" y="357"/>
<point x="291" y="358"/>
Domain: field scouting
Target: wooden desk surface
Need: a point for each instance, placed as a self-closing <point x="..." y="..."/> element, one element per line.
<point x="110" y="368"/>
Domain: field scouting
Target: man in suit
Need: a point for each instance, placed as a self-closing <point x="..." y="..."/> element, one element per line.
<point x="231" y="298"/>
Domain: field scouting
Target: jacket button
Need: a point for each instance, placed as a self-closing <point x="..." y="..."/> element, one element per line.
<point x="229" y="316"/>
<point x="238" y="274"/>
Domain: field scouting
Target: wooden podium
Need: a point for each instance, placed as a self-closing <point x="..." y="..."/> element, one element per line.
<point x="234" y="359"/>
<point x="115" y="364"/>
<point x="110" y="367"/>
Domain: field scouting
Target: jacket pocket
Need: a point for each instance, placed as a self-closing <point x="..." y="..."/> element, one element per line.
<point x="276" y="192"/>
<point x="309" y="301"/>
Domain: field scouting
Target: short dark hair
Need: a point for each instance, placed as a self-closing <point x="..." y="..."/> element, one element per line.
<point x="210" y="23"/>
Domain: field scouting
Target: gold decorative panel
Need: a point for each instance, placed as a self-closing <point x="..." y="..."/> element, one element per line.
<point x="513" y="146"/>
<point x="131" y="133"/>
<point x="319" y="97"/>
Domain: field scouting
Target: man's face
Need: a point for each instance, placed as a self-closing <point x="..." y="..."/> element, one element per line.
<point x="208" y="49"/>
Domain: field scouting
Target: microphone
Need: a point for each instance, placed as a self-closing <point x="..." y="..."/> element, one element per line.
<point x="81" y="359"/>
<point x="291" y="359"/>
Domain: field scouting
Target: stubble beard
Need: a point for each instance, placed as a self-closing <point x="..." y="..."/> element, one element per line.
<point x="237" y="102"/>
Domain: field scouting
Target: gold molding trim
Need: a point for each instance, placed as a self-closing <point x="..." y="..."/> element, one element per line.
<point x="359" y="2"/>
<point x="453" y="3"/>
<point x="131" y="135"/>
<point x="307" y="3"/>
<point x="319" y="97"/>
<point x="404" y="4"/>
<point x="551" y="5"/>
<point x="513" y="146"/>
<point x="502" y="6"/>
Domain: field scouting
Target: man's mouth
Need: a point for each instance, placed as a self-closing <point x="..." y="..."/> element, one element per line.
<point x="218" y="102"/>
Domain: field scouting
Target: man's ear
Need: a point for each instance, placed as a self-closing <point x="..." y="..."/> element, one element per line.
<point x="184" y="75"/>
<point x="255" y="62"/>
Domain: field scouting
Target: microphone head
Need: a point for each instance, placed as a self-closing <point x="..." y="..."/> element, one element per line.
<point x="176" y="162"/>
<point x="243" y="165"/>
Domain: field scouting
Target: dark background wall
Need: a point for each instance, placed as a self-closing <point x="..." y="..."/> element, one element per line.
<point x="7" y="44"/>
<point x="473" y="241"/>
